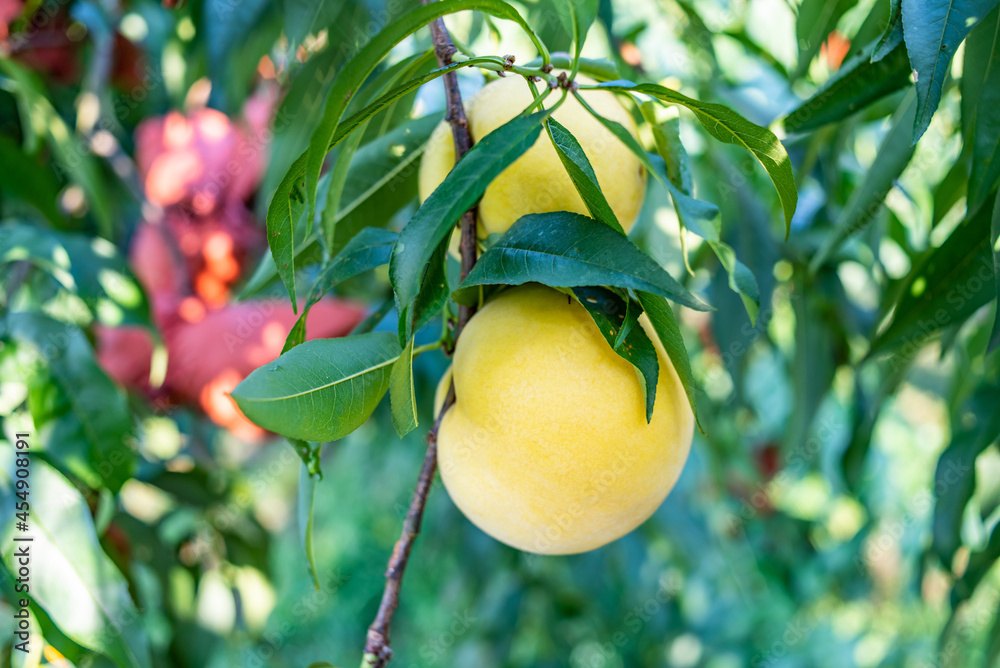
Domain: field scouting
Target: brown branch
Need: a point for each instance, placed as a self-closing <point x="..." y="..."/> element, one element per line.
<point x="378" y="651"/>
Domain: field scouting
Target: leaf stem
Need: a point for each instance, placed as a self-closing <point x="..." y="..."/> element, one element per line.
<point x="378" y="651"/>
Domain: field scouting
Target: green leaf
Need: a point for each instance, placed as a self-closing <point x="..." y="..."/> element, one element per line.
<point x="858" y="83"/>
<point x="286" y="204"/>
<point x="351" y="76"/>
<point x="321" y="390"/>
<point x="84" y="420"/>
<point x="892" y="36"/>
<point x="613" y="317"/>
<point x="73" y="158"/>
<point x="700" y="217"/>
<point x="459" y="191"/>
<point x="306" y="511"/>
<point x="88" y="267"/>
<point x="563" y="249"/>
<point x="977" y="427"/>
<point x="664" y="323"/>
<point x="729" y="127"/>
<point x="983" y="57"/>
<point x="816" y="20"/>
<point x="369" y="249"/>
<point x="953" y="282"/>
<point x="580" y="171"/>
<point x="26" y="179"/>
<point x="382" y="180"/>
<point x="933" y="30"/>
<point x="866" y="200"/>
<point x="72" y="579"/>
<point x="402" y="398"/>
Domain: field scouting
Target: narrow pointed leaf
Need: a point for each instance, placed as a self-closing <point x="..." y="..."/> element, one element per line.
<point x="402" y="398"/>
<point x="306" y="512"/>
<point x="580" y="171"/>
<point x="563" y="249"/>
<point x="321" y="390"/>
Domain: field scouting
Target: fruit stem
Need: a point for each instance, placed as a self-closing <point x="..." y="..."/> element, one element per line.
<point x="378" y="651"/>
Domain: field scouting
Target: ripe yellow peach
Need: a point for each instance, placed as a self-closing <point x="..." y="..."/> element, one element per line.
<point x="547" y="447"/>
<point x="537" y="181"/>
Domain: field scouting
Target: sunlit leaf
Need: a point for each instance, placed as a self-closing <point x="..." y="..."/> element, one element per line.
<point x="72" y="579"/>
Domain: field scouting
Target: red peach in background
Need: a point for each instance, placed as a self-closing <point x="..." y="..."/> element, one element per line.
<point x="201" y="168"/>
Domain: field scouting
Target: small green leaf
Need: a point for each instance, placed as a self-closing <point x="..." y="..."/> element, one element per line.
<point x="459" y="191"/>
<point x="563" y="249"/>
<point x="866" y="200"/>
<point x="366" y="251"/>
<point x="321" y="390"/>
<point x="953" y="282"/>
<point x="664" y="323"/>
<point x="858" y="83"/>
<point x="613" y="317"/>
<point x="729" y="127"/>
<point x="72" y="579"/>
<point x="306" y="511"/>
<point x="933" y="30"/>
<point x="580" y="171"/>
<point x="402" y="398"/>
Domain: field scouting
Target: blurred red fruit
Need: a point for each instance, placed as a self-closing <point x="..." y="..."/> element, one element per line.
<point x="201" y="168"/>
<point x="198" y="161"/>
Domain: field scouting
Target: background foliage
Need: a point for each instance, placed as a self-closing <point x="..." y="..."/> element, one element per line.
<point x="841" y="507"/>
